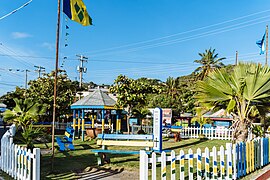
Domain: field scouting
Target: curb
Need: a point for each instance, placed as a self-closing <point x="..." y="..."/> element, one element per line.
<point x="264" y="176"/>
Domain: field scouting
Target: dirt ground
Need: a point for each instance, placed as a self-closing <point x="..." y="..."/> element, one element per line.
<point x="108" y="174"/>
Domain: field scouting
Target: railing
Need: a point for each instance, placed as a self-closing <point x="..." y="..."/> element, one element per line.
<point x="235" y="162"/>
<point x="19" y="162"/>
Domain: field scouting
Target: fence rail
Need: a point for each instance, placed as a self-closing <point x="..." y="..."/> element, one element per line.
<point x="234" y="162"/>
<point x="17" y="161"/>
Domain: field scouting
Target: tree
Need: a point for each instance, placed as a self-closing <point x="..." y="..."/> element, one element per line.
<point x="131" y="93"/>
<point x="41" y="91"/>
<point x="246" y="88"/>
<point x="200" y="111"/>
<point x="24" y="114"/>
<point x="8" y="98"/>
<point x="209" y="61"/>
<point x="171" y="87"/>
<point x="141" y="113"/>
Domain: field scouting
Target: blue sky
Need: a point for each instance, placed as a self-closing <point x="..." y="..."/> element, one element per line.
<point x="137" y="38"/>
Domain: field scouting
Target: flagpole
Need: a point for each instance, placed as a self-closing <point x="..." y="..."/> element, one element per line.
<point x="266" y="49"/>
<point x="55" y="80"/>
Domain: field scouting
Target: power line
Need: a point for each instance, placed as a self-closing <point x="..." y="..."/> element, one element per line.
<point x="177" y="34"/>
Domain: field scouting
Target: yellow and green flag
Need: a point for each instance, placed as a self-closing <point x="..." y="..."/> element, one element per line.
<point x="76" y="11"/>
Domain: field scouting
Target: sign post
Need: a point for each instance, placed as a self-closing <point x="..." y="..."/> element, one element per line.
<point x="157" y="129"/>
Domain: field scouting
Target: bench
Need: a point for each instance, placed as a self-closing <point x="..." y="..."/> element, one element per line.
<point x="66" y="143"/>
<point x="106" y="140"/>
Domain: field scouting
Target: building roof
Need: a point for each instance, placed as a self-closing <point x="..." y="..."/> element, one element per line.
<point x="95" y="100"/>
<point x="2" y="105"/>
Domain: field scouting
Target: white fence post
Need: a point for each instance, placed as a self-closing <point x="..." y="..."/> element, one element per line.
<point x="207" y="164"/>
<point x="154" y="166"/>
<point x="173" y="165"/>
<point x="182" y="164"/>
<point x="163" y="166"/>
<point x="36" y="164"/>
<point x="215" y="173"/>
<point x="190" y="164"/>
<point x="229" y="160"/>
<point x="16" y="160"/>
<point x="199" y="164"/>
<point x="143" y="165"/>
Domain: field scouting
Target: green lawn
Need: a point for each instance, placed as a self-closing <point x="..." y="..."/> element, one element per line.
<point x="68" y="164"/>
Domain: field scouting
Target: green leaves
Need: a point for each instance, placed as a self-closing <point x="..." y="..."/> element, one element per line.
<point x="246" y="86"/>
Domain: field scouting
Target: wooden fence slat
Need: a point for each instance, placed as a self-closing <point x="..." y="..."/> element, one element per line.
<point x="173" y="163"/>
<point x="199" y="164"/>
<point x="182" y="165"/>
<point x="154" y="166"/>
<point x="229" y="160"/>
<point x="215" y="173"/>
<point x="163" y="166"/>
<point x="222" y="162"/>
<point x="207" y="163"/>
<point x="143" y="165"/>
<point x="190" y="164"/>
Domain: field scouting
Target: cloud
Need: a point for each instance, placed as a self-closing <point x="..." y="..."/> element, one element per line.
<point x="20" y="35"/>
<point x="49" y="46"/>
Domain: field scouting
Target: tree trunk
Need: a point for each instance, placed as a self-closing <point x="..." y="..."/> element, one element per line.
<point x="128" y="129"/>
<point x="240" y="132"/>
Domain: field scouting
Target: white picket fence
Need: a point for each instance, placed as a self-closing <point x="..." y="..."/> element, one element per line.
<point x="194" y="132"/>
<point x="209" y="133"/>
<point x="221" y="163"/>
<point x="19" y="162"/>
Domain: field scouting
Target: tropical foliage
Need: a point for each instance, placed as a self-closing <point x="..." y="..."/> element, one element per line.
<point x="246" y="88"/>
<point x="25" y="113"/>
<point x="209" y="61"/>
<point x="131" y="93"/>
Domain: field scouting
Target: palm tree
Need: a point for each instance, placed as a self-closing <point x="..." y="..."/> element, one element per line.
<point x="171" y="87"/>
<point x="24" y="114"/>
<point x="209" y="61"/>
<point x="242" y="90"/>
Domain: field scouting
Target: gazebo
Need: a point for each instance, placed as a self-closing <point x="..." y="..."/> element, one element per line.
<point x="95" y="101"/>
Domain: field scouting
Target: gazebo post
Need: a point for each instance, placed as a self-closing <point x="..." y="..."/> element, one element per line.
<point x="93" y="120"/>
<point x="83" y="129"/>
<point x="74" y="122"/>
<point x="79" y="122"/>
<point x="118" y="122"/>
<point x="110" y="121"/>
<point x="102" y="121"/>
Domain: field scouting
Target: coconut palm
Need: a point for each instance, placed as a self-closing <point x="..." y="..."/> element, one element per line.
<point x="209" y="61"/>
<point x="24" y="114"/>
<point x="242" y="90"/>
<point x="171" y="86"/>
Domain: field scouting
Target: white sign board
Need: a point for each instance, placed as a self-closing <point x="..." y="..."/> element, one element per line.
<point x="157" y="129"/>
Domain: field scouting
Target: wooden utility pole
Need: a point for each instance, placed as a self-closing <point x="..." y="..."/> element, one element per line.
<point x="39" y="70"/>
<point x="236" y="58"/>
<point x="26" y="78"/>
<point x="55" y="80"/>
<point x="81" y="68"/>
<point x="266" y="45"/>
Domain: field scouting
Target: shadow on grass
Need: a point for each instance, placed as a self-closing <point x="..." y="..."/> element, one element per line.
<point x="90" y="173"/>
<point x="185" y="145"/>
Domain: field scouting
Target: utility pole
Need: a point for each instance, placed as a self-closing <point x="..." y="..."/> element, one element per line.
<point x="81" y="68"/>
<point x="236" y="58"/>
<point x="26" y="78"/>
<point x="39" y="69"/>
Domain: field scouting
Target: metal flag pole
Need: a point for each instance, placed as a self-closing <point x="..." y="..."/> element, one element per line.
<point x="55" y="80"/>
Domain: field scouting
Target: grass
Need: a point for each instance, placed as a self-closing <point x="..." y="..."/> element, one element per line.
<point x="67" y="165"/>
